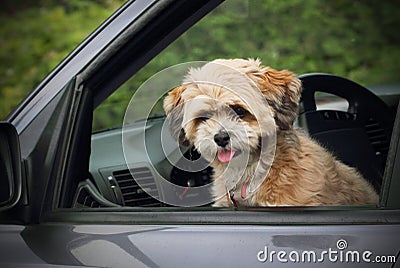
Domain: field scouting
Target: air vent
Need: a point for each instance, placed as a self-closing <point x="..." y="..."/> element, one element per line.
<point x="378" y="138"/>
<point x="134" y="195"/>
<point x="87" y="196"/>
<point x="85" y="200"/>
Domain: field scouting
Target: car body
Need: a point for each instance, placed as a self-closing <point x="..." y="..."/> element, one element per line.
<point x="72" y="210"/>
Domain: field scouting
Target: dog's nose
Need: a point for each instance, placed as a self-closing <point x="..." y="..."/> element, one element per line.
<point x="222" y="138"/>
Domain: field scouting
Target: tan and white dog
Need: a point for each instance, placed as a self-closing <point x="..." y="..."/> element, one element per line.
<point x="239" y="115"/>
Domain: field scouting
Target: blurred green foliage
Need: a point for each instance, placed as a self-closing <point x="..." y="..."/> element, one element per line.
<point x="357" y="39"/>
<point x="36" y="35"/>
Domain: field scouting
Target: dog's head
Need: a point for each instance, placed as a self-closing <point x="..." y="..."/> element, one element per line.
<point x="227" y="107"/>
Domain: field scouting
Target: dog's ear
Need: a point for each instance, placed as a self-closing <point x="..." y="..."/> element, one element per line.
<point x="173" y="99"/>
<point x="282" y="90"/>
<point x="173" y="107"/>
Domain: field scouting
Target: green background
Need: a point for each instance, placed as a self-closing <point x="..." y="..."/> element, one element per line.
<point x="356" y="39"/>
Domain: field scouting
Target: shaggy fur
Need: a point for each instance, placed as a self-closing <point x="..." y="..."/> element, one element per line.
<point x="253" y="107"/>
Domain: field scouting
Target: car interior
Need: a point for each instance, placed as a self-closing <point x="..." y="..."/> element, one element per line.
<point x="358" y="133"/>
<point x="357" y="137"/>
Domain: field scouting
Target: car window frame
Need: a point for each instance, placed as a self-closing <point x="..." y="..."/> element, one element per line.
<point x="389" y="198"/>
<point x="92" y="78"/>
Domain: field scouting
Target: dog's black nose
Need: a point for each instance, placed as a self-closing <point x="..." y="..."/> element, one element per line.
<point x="222" y="138"/>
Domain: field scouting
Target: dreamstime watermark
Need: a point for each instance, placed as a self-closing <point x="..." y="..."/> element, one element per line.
<point x="340" y="254"/>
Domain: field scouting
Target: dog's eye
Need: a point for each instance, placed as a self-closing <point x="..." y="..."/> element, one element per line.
<point x="239" y="111"/>
<point x="204" y="116"/>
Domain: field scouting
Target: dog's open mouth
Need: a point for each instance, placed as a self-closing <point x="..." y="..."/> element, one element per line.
<point x="226" y="155"/>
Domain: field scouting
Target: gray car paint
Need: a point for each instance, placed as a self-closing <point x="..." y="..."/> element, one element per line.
<point x="191" y="246"/>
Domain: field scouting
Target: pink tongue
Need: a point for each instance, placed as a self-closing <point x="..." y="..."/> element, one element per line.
<point x="225" y="155"/>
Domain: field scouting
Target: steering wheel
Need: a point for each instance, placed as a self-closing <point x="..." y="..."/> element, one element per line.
<point x="360" y="136"/>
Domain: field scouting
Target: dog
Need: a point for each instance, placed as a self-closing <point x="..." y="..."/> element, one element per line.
<point x="239" y="116"/>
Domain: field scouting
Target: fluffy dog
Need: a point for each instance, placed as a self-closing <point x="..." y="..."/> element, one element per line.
<point x="239" y="115"/>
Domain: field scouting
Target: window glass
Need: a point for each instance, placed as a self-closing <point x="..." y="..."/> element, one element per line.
<point x="326" y="101"/>
<point x="353" y="39"/>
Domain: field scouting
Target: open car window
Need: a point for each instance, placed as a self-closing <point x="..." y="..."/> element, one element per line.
<point x="347" y="39"/>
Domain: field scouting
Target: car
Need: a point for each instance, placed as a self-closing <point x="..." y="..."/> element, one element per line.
<point x="91" y="176"/>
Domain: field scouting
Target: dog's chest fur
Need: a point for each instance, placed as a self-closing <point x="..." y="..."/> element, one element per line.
<point x="281" y="185"/>
<point x="221" y="191"/>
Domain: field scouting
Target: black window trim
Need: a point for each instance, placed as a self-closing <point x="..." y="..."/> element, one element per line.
<point x="389" y="196"/>
<point x="229" y="216"/>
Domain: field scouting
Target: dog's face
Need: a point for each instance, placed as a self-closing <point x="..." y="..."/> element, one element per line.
<point x="221" y="125"/>
<point x="228" y="108"/>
